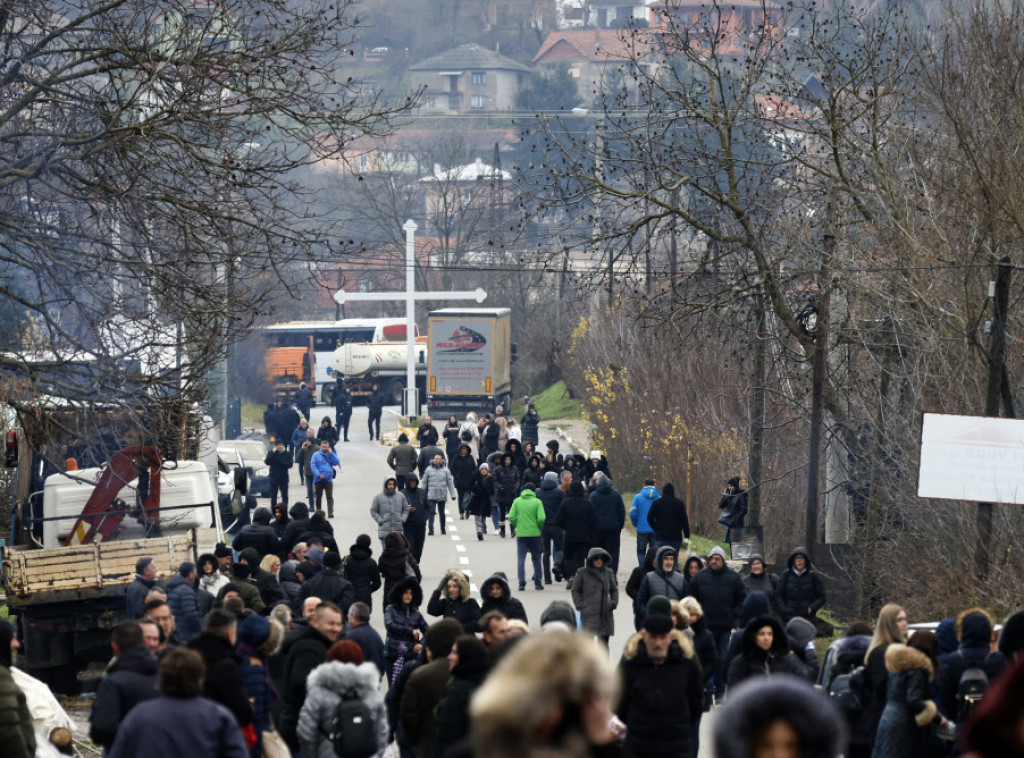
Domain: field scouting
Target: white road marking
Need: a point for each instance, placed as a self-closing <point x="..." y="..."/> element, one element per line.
<point x="463" y="560"/>
<point x="461" y="548"/>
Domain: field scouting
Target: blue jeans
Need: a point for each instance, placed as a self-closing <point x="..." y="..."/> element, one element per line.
<point x="531" y="545"/>
<point x="643" y="541"/>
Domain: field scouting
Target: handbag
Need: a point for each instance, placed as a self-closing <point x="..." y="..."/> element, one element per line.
<point x="726" y="518"/>
<point x="274" y="745"/>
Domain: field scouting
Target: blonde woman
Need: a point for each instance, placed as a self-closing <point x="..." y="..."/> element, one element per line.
<point x="270" y="563"/>
<point x="891" y="628"/>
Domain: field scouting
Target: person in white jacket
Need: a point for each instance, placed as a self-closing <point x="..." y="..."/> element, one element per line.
<point x="438" y="482"/>
<point x="389" y="509"/>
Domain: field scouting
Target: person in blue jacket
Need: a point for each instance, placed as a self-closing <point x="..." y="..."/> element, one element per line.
<point x="638" y="516"/>
<point x="322" y="465"/>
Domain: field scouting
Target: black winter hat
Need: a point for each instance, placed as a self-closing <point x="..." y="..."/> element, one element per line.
<point x="332" y="559"/>
<point x="658" y="624"/>
<point x="363" y="541"/>
<point x="222" y="551"/>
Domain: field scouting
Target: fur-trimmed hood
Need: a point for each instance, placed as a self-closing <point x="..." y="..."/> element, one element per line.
<point x="632" y="648"/>
<point x="341" y="677"/>
<point x="900" y="658"/>
<point x="408" y="583"/>
<point x="461" y="578"/>
<point x="780" y="643"/>
<point x="974" y="627"/>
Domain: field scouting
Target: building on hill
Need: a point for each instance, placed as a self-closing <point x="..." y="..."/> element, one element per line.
<point x="592" y="56"/>
<point x="468" y="79"/>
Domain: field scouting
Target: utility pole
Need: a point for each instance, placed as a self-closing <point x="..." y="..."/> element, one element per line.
<point x="821" y="337"/>
<point x="996" y="391"/>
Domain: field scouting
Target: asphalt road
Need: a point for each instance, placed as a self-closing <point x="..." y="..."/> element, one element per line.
<point x="363" y="471"/>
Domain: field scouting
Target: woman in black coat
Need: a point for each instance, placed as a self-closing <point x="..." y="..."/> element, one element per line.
<point x="576" y="517"/>
<point x="451" y="599"/>
<point x="468" y="665"/>
<point x="764" y="651"/>
<point x="463" y="467"/>
<point x="909" y="713"/>
<point x="481" y="503"/>
<point x="450" y="434"/>
<point x="327" y="432"/>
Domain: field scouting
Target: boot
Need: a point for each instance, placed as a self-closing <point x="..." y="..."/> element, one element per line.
<point x="539" y="586"/>
<point x="501" y="530"/>
<point x="558" y="574"/>
<point x="522" y="586"/>
<point x="480" y="536"/>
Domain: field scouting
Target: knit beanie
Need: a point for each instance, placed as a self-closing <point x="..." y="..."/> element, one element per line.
<point x="345" y="651"/>
<point x="254" y="631"/>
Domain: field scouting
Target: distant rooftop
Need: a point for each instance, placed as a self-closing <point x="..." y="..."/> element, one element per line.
<point x="469" y="56"/>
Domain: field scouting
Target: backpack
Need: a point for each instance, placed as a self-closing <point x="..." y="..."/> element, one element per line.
<point x="466" y="435"/>
<point x="970" y="690"/>
<point x="353" y="733"/>
<point x="848" y="692"/>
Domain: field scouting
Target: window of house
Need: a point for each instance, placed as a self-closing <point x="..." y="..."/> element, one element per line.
<point x="478" y="101"/>
<point x="479" y="77"/>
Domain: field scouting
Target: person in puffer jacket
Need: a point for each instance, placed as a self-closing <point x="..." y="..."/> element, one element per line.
<point x="451" y="599"/>
<point x="389" y="509"/>
<point x="506" y="489"/>
<point x="405" y="626"/>
<point x="664" y="580"/>
<point x="800" y="591"/>
<point x="324" y="689"/>
<point x="438" y="482"/>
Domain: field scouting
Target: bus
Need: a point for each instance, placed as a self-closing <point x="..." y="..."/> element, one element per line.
<point x="302" y="351"/>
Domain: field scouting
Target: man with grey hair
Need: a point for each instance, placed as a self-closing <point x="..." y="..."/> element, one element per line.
<point x="609" y="517"/>
<point x="364" y="635"/>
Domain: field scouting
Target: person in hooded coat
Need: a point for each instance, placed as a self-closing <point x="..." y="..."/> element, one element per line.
<point x="636" y="578"/>
<point x="451" y="599"/>
<point x="551" y="534"/>
<point x="800" y="593"/>
<point x="330" y="586"/>
<point x="754" y="707"/>
<point x="298" y="526"/>
<point x="463" y="467"/>
<point x="661" y="698"/>
<point x="320" y="530"/>
<point x="800" y="634"/>
<point x="720" y="592"/>
<point x="404" y="624"/>
<point x="389" y="509"/>
<point x="259" y="534"/>
<point x="280" y="522"/>
<point x="576" y="518"/>
<point x="668" y="520"/>
<point x="415" y="526"/>
<point x="468" y="665"/>
<point x="530" y="425"/>
<point x="974" y="630"/>
<point x="496" y="595"/>
<point x="755" y="604"/>
<point x="290" y="584"/>
<point x="533" y="473"/>
<point x="324" y="690"/>
<point x="595" y="593"/>
<point x="481" y="502"/>
<point x="266" y="582"/>
<point x="396" y="562"/>
<point x="609" y="518"/>
<point x="764" y="651"/>
<point x="909" y="712"/>
<point x="663" y="579"/>
<point x="361" y="569"/>
<point x="759" y="580"/>
<point x="506" y="489"/>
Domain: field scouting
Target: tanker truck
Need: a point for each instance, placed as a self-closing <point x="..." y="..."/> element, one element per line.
<point x="365" y="364"/>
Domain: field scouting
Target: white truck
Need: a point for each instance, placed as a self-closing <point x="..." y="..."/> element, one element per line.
<point x="469" y="365"/>
<point x="363" y="364"/>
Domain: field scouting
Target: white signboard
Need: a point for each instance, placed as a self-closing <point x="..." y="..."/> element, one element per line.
<point x="972" y="458"/>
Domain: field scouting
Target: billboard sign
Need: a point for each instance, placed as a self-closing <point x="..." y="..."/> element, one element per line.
<point x="974" y="458"/>
<point x="460" y="355"/>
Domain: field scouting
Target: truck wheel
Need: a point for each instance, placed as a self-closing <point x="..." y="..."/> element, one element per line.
<point x="396" y="390"/>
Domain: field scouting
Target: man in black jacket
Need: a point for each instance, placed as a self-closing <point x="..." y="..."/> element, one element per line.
<point x="721" y="593"/>
<point x="298" y="526"/>
<point x="304" y="399"/>
<point x="223" y="680"/>
<point x="342" y="408"/>
<point x="330" y="586"/>
<point x="427" y="433"/>
<point x="800" y="593"/>
<point x="279" y="461"/>
<point x="668" y="519"/>
<point x="375" y="404"/>
<point x="306" y="652"/>
<point x="130" y="679"/>
<point x="259" y="535"/>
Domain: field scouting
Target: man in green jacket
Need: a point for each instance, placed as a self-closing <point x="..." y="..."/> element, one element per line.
<point x="17" y="740"/>
<point x="527" y="517"/>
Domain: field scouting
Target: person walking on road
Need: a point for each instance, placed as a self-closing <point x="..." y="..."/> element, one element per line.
<point x="668" y="519"/>
<point x="304" y="400"/>
<point x="527" y="519"/>
<point x="451" y="438"/>
<point x="609" y="518"/>
<point x="389" y="509"/>
<point x="375" y="404"/>
<point x="427" y="432"/>
<point x="438" y="482"/>
<point x="481" y="502"/>
<point x="342" y="409"/>
<point x="721" y="593"/>
<point x="322" y="465"/>
<point x="463" y="468"/>
<point x="530" y="425"/>
<point x="279" y="461"/>
<point x="552" y="542"/>
<point x="638" y="511"/>
<point x="304" y="459"/>
<point x="595" y="593"/>
<point x="415" y="529"/>
<point x="800" y="593"/>
<point x="402" y="459"/>
<point x="576" y="517"/>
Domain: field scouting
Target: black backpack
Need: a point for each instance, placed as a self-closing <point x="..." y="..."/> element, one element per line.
<point x="970" y="690"/>
<point x="353" y="733"/>
<point x="466" y="435"/>
<point x="849" y="692"/>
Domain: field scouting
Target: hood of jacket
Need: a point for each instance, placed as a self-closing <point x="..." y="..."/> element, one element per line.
<point x="176" y="581"/>
<point x="799" y="551"/>
<point x="408" y="583"/>
<point x="604" y="486"/>
<point x="550" y="480"/>
<point x="650" y="492"/>
<point x="461" y="578"/>
<point x="659" y="557"/>
<point x="757" y="702"/>
<point x="598" y="552"/>
<point x="974" y="628"/>
<point x="360" y="553"/>
<point x="800" y="631"/>
<point x="262" y="515"/>
<point x="780" y="643"/>
<point x="137" y="660"/>
<point x="946" y="632"/>
<point x="287" y="572"/>
<point x="341" y="677"/>
<point x="251" y="556"/>
<point x="559" y="611"/>
<point x="395" y="541"/>
<point x="755" y="604"/>
<point x="900" y="658"/>
<point x="669" y="490"/>
<point x="496" y="578"/>
<point x="632" y="648"/>
<point x="469" y="450"/>
<point x="686" y="565"/>
<point x="299" y="512"/>
<point x="384" y="487"/>
<point x="527" y="494"/>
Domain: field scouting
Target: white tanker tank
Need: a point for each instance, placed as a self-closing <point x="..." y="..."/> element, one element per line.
<point x="355" y="359"/>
